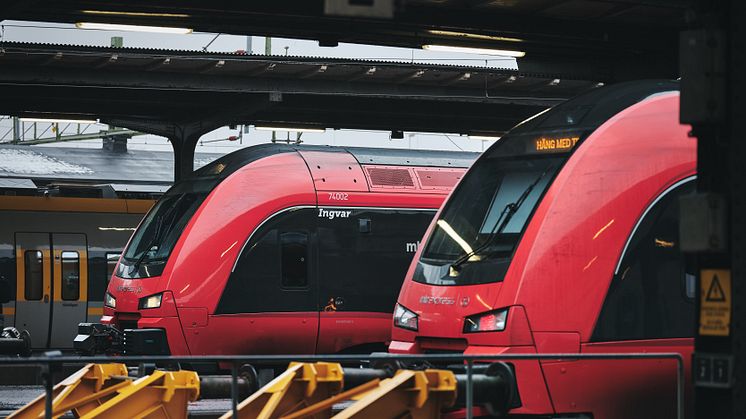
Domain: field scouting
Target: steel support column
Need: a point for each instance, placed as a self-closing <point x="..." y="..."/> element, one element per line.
<point x="184" y="135"/>
<point x="720" y="361"/>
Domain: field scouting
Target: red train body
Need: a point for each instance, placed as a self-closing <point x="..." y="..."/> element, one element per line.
<point x="563" y="238"/>
<point x="279" y="249"/>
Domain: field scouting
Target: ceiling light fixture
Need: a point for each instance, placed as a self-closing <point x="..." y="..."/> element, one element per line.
<point x="470" y="50"/>
<point x="57" y="121"/>
<point x="136" y="14"/>
<point x="473" y="36"/>
<point x="294" y="129"/>
<point x="132" y="28"/>
<point x="484" y="137"/>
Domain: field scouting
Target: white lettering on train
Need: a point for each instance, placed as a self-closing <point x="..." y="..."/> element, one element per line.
<point x="412" y="247"/>
<point x="332" y="214"/>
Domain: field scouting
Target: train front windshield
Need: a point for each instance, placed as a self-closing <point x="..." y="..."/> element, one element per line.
<point x="153" y="241"/>
<point x="480" y="226"/>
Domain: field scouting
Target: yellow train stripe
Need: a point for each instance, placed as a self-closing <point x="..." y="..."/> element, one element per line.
<point x="9" y="311"/>
<point x="95" y="311"/>
<point x="59" y="204"/>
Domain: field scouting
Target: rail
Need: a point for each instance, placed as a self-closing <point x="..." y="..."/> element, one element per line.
<point x="52" y="362"/>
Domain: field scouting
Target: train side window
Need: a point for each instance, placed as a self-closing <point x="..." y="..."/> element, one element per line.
<point x="70" y="276"/>
<point x="33" y="268"/>
<point x="364" y="257"/>
<point x="111" y="264"/>
<point x="275" y="271"/>
<point x="651" y="294"/>
<point x="294" y="259"/>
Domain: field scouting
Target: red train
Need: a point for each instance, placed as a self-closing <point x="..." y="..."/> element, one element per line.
<point x="563" y="238"/>
<point x="277" y="249"/>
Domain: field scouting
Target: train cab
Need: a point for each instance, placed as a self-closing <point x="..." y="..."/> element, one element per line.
<point x="278" y="249"/>
<point x="564" y="238"/>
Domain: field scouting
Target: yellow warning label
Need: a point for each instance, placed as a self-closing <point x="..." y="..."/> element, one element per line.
<point x="715" y="302"/>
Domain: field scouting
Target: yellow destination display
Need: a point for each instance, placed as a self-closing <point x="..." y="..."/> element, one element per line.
<point x="555" y="145"/>
<point x="715" y="302"/>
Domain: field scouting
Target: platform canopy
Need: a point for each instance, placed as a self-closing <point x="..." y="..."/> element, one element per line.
<point x="606" y="39"/>
<point x="152" y="90"/>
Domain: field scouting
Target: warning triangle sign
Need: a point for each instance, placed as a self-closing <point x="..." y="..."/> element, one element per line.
<point x="715" y="293"/>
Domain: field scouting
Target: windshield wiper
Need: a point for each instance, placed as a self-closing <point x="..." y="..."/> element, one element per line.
<point x="505" y="216"/>
<point x="135" y="266"/>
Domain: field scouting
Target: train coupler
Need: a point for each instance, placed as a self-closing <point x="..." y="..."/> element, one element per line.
<point x="98" y="338"/>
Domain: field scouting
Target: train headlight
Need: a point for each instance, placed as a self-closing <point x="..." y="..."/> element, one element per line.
<point x="405" y="318"/>
<point x="153" y="301"/>
<point x="491" y="321"/>
<point x="110" y="301"/>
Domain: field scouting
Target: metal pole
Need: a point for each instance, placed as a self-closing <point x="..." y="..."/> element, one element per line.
<point x="234" y="390"/>
<point x="680" y="388"/>
<point x="46" y="371"/>
<point x="16" y="130"/>
<point x="469" y="390"/>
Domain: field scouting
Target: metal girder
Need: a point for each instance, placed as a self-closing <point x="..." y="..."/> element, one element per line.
<point x="115" y="81"/>
<point x="556" y="34"/>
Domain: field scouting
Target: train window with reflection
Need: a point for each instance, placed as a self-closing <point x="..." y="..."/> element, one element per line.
<point x="70" y="276"/>
<point x="275" y="270"/>
<point x="34" y="275"/>
<point x="111" y="264"/>
<point x="651" y="294"/>
<point x="482" y="221"/>
<point x="294" y="259"/>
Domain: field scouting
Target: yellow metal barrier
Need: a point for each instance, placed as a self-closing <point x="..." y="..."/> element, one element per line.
<point x="162" y="394"/>
<point x="304" y="390"/>
<point x="105" y="390"/>
<point x="81" y="392"/>
<point x="417" y="394"/>
<point x="301" y="385"/>
<point x="310" y="390"/>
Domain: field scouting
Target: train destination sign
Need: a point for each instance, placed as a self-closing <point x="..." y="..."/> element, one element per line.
<point x="554" y="144"/>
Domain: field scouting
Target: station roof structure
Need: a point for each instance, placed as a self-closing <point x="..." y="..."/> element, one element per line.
<point x="144" y="89"/>
<point x="604" y="39"/>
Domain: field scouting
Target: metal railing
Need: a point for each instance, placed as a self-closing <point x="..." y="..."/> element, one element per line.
<point x="51" y="363"/>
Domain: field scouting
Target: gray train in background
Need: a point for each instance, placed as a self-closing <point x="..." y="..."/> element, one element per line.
<point x="65" y="216"/>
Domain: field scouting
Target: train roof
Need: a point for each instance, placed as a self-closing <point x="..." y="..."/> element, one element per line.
<point x="373" y="156"/>
<point x="588" y="111"/>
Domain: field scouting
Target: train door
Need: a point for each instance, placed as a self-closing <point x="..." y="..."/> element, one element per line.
<point x="364" y="254"/>
<point x="34" y="286"/>
<point x="269" y="303"/>
<point x="52" y="278"/>
<point x="69" y="287"/>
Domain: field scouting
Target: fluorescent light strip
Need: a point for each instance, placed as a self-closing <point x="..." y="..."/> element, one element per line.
<point x="468" y="50"/>
<point x="132" y="28"/>
<point x="53" y="121"/>
<point x="473" y="36"/>
<point x="139" y="14"/>
<point x="298" y="129"/>
<point x="484" y="137"/>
